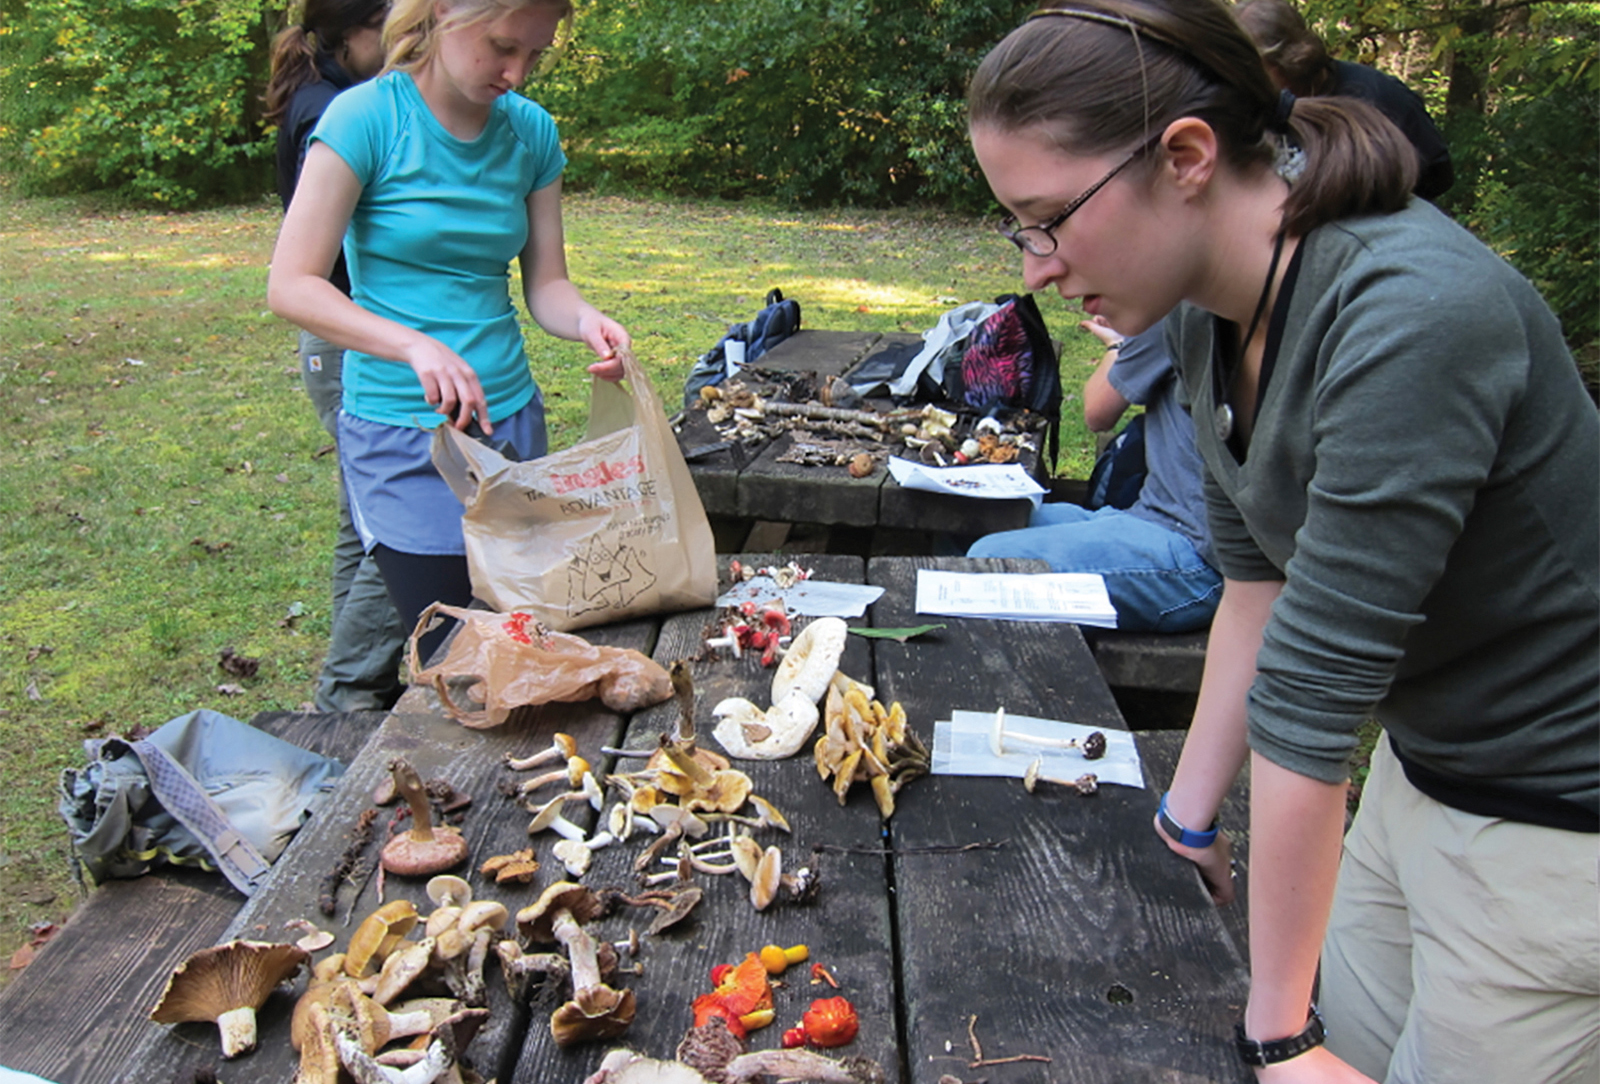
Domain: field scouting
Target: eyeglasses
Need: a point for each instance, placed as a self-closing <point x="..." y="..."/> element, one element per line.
<point x="1040" y="240"/>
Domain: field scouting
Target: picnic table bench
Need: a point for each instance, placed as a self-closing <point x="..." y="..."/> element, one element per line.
<point x="1044" y="924"/>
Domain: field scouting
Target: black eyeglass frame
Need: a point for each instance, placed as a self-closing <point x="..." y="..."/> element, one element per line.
<point x="1023" y="236"/>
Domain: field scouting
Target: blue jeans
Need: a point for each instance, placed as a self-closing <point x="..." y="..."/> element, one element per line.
<point x="1157" y="580"/>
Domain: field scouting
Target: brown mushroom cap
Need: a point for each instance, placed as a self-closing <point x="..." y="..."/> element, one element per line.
<point x="536" y="921"/>
<point x="377" y="936"/>
<point x="597" y="1012"/>
<point x="407" y="856"/>
<point x="229" y="981"/>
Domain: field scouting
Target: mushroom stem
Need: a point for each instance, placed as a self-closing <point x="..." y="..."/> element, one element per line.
<point x="582" y="952"/>
<point x="409" y="784"/>
<point x="238" y="1027"/>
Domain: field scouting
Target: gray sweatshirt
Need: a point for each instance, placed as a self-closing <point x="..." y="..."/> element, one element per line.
<point x="1424" y="475"/>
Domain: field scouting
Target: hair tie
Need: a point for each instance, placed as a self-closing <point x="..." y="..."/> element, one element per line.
<point x="1280" y="114"/>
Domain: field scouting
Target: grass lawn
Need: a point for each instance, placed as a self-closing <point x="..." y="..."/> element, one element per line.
<point x="166" y="491"/>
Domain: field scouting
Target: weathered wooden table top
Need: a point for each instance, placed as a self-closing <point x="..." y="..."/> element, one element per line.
<point x="754" y="484"/>
<point x="1074" y="937"/>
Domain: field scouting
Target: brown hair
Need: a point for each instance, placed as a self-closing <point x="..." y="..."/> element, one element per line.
<point x="1105" y="75"/>
<point x="1288" y="45"/>
<point x="322" y="26"/>
<point x="411" y="35"/>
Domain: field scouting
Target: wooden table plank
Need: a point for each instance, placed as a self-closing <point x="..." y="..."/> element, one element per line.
<point x="826" y="353"/>
<point x="848" y="927"/>
<point x="1081" y="938"/>
<point x="438" y="748"/>
<point x="66" y="1017"/>
<point x="795" y="493"/>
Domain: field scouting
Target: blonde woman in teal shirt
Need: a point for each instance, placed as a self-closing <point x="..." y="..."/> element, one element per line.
<point x="434" y="177"/>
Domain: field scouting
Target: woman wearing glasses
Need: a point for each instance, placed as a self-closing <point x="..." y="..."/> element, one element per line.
<point x="1401" y="477"/>
<point x="435" y="176"/>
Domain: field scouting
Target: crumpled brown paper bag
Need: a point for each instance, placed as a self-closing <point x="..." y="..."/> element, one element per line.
<point x="505" y="661"/>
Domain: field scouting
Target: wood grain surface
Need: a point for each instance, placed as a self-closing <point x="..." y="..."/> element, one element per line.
<point x="1080" y="938"/>
<point x="75" y="1015"/>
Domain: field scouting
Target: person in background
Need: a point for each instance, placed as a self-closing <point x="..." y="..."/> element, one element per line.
<point x="336" y="44"/>
<point x="1155" y="556"/>
<point x="435" y="176"/>
<point x="1298" y="60"/>
<point x="1403" y="483"/>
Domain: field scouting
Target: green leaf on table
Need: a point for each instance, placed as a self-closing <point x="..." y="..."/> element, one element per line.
<point x="901" y="635"/>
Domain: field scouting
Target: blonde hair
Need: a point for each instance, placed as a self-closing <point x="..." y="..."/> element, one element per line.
<point x="411" y="33"/>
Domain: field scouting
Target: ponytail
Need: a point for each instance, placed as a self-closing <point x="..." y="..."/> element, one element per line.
<point x="294" y="54"/>
<point x="1357" y="162"/>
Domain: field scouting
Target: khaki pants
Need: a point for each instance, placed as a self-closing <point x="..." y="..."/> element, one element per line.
<point x="1461" y="948"/>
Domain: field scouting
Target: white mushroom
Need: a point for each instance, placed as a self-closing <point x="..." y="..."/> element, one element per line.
<point x="812" y="660"/>
<point x="549" y="816"/>
<point x="769" y="876"/>
<point x="561" y="748"/>
<point x="749" y="733"/>
<point x="574" y="855"/>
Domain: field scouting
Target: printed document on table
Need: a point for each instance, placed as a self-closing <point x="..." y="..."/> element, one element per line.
<point x="989" y="480"/>
<point x="1077" y="597"/>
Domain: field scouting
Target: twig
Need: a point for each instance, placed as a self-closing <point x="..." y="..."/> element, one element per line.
<point x="360" y="836"/>
<point x="979" y="1061"/>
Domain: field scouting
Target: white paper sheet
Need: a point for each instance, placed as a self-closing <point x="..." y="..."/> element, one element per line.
<point x="962" y="746"/>
<point x="990" y="481"/>
<point x="1076" y="597"/>
<point x="808" y="598"/>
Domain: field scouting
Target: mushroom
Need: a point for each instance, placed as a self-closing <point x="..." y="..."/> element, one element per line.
<point x="468" y="946"/>
<point x="596" y="1011"/>
<point x="749" y="733"/>
<point x="562" y="747"/>
<point x="549" y="816"/>
<point x="448" y="890"/>
<point x="400" y="969"/>
<point x="519" y="968"/>
<point x="573" y="773"/>
<point x="423" y="849"/>
<point x="769" y="875"/>
<point x="812" y="660"/>
<point x="227" y="984"/>
<point x="517" y="867"/>
<point x="1093" y="744"/>
<point x="377" y="936"/>
<point x="313" y="939"/>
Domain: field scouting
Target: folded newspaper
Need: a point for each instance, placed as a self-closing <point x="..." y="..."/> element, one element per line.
<point x="1076" y="597"/>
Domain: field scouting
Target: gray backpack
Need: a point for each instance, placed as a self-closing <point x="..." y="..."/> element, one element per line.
<point x="205" y="789"/>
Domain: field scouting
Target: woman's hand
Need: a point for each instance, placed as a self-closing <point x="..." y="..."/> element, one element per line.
<point x="606" y="338"/>
<point x="1316" y="1066"/>
<point x="1096" y="325"/>
<point x="450" y="384"/>
<point x="1215" y="862"/>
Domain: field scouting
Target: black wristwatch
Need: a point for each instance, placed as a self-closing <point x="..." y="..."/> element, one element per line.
<point x="1257" y="1053"/>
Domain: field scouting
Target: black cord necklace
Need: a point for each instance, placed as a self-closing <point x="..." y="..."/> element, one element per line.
<point x="1222" y="382"/>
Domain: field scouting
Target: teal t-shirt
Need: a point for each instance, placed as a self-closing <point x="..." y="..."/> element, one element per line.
<point x="432" y="238"/>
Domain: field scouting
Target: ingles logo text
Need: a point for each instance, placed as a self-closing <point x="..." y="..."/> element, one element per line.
<point x="599" y="475"/>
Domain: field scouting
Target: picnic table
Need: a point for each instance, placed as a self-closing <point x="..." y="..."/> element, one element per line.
<point x="1048" y="924"/>
<point x="756" y="485"/>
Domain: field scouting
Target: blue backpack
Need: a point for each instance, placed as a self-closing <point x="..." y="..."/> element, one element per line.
<point x="1119" y="470"/>
<point x="772" y="325"/>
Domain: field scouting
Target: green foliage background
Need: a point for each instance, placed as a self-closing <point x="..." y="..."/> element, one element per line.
<point x="812" y="102"/>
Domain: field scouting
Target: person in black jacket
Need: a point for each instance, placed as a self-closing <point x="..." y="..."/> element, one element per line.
<point x="1298" y="61"/>
<point x="337" y="44"/>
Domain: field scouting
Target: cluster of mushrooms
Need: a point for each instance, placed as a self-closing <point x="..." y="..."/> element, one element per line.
<point x="864" y="741"/>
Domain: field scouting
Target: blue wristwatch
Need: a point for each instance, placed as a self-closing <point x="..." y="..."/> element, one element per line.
<point x="1178" y="833"/>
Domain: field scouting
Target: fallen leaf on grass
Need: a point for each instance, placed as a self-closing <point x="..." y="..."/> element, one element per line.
<point x="212" y="548"/>
<point x="37" y="650"/>
<point x="231" y="690"/>
<point x="32" y="691"/>
<point x="22" y="957"/>
<point x="296" y="611"/>
<point x="239" y="666"/>
<point x="901" y="635"/>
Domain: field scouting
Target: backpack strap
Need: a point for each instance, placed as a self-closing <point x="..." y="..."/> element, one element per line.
<point x="181" y="795"/>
